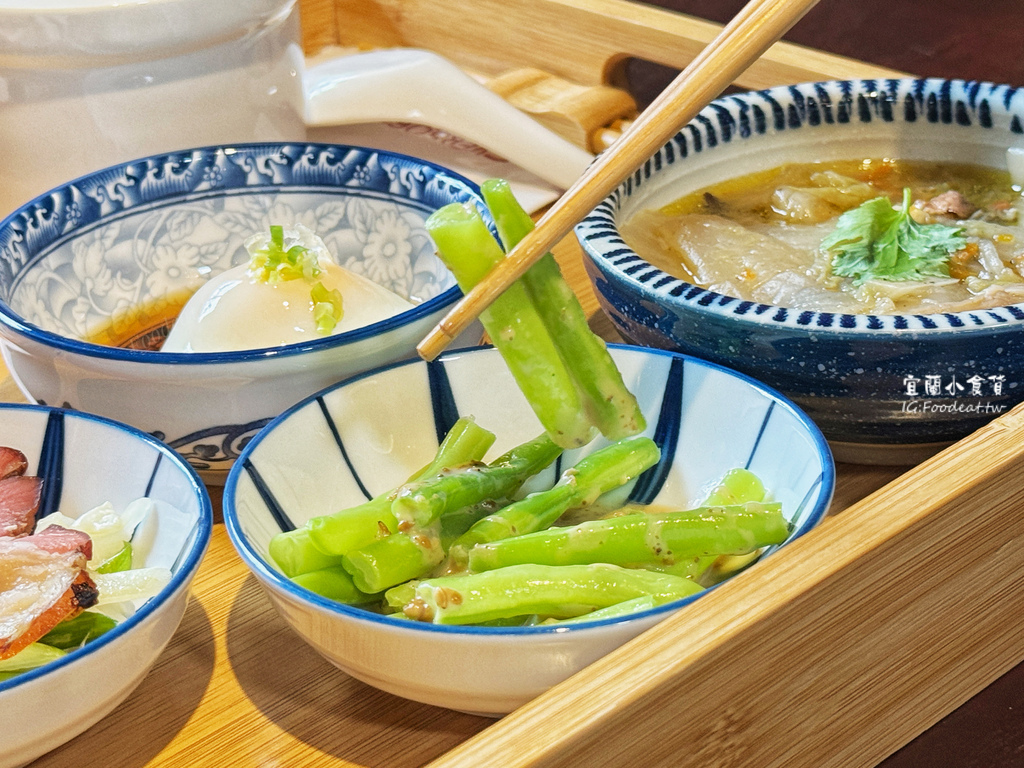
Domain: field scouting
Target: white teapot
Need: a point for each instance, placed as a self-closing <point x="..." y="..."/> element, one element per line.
<point x="89" y="83"/>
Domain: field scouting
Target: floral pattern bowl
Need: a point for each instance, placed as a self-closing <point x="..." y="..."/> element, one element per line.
<point x="108" y="255"/>
<point x="884" y="389"/>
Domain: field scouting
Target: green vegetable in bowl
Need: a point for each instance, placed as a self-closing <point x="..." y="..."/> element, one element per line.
<point x="562" y="367"/>
<point x="559" y="592"/>
<point x="76" y="632"/>
<point x="94" y="553"/>
<point x="461" y="534"/>
<point x="611" y="406"/>
<point x="323" y="540"/>
<point x="415" y="548"/>
<point x="874" y="241"/>
<point x="424" y="501"/>
<point x="640" y="538"/>
<point x="30" y="657"/>
<point x="579" y="486"/>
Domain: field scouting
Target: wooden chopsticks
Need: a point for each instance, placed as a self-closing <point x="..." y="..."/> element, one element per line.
<point x="754" y="29"/>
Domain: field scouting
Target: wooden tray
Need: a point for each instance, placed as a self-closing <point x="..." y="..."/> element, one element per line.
<point x="835" y="651"/>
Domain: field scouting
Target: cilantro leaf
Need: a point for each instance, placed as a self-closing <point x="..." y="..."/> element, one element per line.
<point x="874" y="241"/>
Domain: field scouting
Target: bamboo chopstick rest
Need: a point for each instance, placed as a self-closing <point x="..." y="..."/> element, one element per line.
<point x="754" y="29"/>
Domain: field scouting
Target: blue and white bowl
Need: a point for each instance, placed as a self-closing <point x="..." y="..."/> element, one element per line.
<point x="96" y="249"/>
<point x="84" y="461"/>
<point x="861" y="378"/>
<point x="368" y="434"/>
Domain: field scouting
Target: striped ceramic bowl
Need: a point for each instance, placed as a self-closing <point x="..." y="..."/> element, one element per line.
<point x="860" y="377"/>
<point x="363" y="437"/>
<point x="84" y="461"/>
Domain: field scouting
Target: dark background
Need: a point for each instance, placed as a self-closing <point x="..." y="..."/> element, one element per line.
<point x="968" y="39"/>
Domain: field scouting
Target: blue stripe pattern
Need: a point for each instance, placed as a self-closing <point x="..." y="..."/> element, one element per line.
<point x="341" y="447"/>
<point x="51" y="465"/>
<point x="266" y="495"/>
<point x="446" y="412"/>
<point x="666" y="436"/>
<point x="760" y="434"/>
<point x="153" y="474"/>
<point x="250" y="511"/>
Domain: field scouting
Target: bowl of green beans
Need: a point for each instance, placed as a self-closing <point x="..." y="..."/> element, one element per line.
<point x="420" y="511"/>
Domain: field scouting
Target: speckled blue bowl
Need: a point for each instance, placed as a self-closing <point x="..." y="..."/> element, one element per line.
<point x="884" y="389"/>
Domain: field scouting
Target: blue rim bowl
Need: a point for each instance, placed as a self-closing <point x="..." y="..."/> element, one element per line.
<point x="326" y="453"/>
<point x="77" y="249"/>
<point x="860" y="377"/>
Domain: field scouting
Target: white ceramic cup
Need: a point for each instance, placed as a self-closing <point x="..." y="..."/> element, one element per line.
<point x="89" y="83"/>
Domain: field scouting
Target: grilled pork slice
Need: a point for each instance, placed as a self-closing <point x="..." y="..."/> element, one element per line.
<point x="56" y="538"/>
<point x="12" y="462"/>
<point x="42" y="582"/>
<point x="19" y="501"/>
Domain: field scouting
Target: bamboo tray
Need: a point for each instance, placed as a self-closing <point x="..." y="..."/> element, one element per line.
<point x="836" y="651"/>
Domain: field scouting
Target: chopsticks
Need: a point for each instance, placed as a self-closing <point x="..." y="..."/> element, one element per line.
<point x="753" y="30"/>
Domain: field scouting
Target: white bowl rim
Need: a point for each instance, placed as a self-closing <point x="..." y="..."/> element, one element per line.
<point x="189" y="563"/>
<point x="282" y="583"/>
<point x="13" y="321"/>
<point x="707" y="302"/>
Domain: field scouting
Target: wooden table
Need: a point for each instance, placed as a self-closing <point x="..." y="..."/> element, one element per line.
<point x="236" y="687"/>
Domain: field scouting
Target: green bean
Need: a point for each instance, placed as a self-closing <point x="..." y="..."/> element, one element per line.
<point x="737" y="486"/>
<point x="341" y="532"/>
<point x="555" y="591"/>
<point x="414" y="549"/>
<point x="423" y="502"/>
<point x="464" y="443"/>
<point x="393" y="559"/>
<point x="690" y="567"/>
<point x="333" y="535"/>
<point x="610" y="405"/>
<point x="400" y="594"/>
<point x="642" y="538"/>
<point x="295" y="552"/>
<point x="334" y="583"/>
<point x="625" y="608"/>
<point x="601" y="471"/>
<point x="469" y="250"/>
<point x="454" y="524"/>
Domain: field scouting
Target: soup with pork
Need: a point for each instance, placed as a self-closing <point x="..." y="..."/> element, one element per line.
<point x="875" y="236"/>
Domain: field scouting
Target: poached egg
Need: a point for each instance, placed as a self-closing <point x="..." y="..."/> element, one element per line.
<point x="236" y="310"/>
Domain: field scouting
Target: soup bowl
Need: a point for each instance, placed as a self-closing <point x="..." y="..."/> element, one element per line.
<point x="109" y="252"/>
<point x="884" y="388"/>
<point x="368" y="434"/>
<point x="85" y="461"/>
